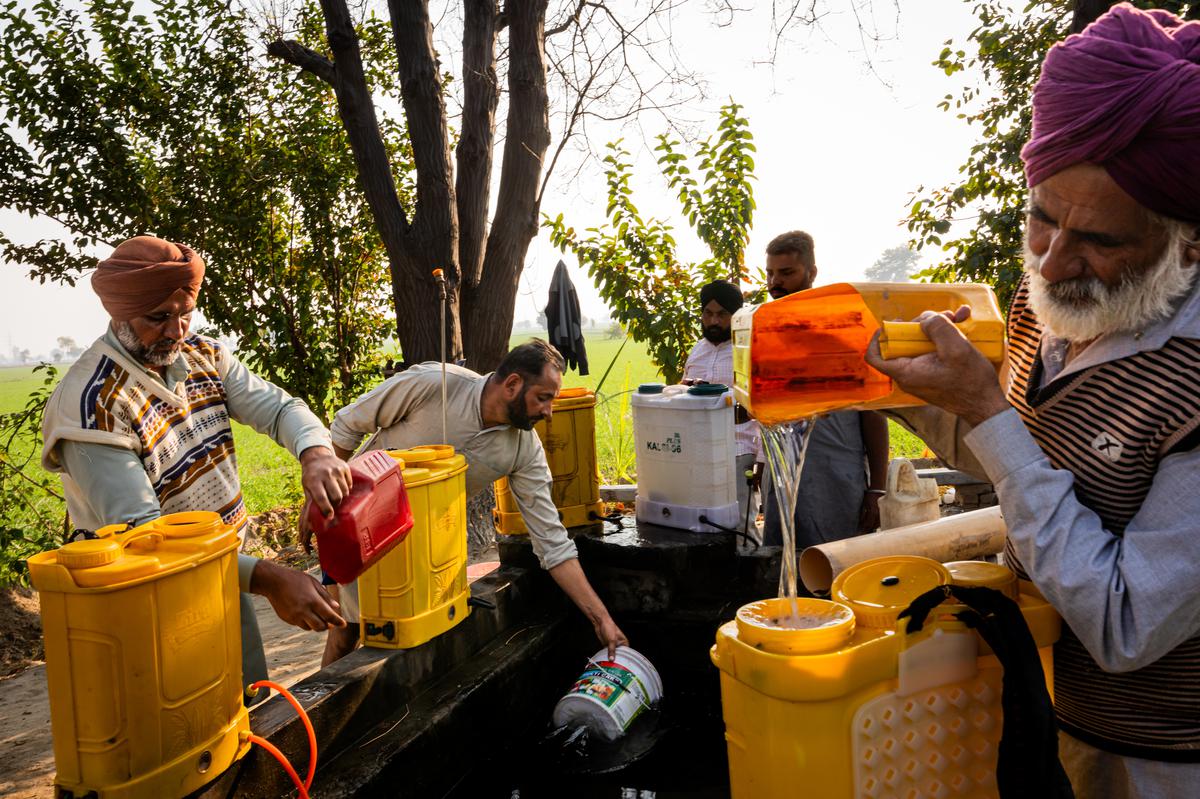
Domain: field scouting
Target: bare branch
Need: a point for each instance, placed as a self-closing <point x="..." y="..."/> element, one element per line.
<point x="612" y="67"/>
<point x="571" y="20"/>
<point x="308" y="60"/>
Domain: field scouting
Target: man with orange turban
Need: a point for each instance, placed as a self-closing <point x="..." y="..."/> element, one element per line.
<point x="140" y="426"/>
<point x="1093" y="440"/>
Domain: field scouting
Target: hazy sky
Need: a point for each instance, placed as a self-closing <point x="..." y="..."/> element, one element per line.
<point x="840" y="149"/>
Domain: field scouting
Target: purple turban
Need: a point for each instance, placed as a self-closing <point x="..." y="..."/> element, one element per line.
<point x="1124" y="94"/>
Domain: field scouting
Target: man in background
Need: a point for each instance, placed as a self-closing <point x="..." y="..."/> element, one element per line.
<point x="711" y="361"/>
<point x="845" y="470"/>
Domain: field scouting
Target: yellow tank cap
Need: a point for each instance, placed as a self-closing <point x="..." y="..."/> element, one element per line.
<point x="414" y="455"/>
<point x="811" y="627"/>
<point x="877" y="590"/>
<point x="441" y="451"/>
<point x="574" y="399"/>
<point x="89" y="554"/>
<point x="189" y="524"/>
<point x="985" y="575"/>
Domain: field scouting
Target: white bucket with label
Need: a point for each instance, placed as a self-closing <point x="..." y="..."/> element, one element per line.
<point x="610" y="694"/>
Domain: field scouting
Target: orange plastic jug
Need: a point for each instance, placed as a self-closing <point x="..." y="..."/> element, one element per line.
<point x="803" y="354"/>
<point x="370" y="521"/>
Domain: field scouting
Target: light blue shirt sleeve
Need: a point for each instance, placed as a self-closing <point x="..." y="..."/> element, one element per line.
<point x="118" y="490"/>
<point x="271" y="411"/>
<point x="1130" y="599"/>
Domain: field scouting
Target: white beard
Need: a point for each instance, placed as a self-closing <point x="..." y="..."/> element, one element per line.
<point x="1084" y="308"/>
<point x="134" y="346"/>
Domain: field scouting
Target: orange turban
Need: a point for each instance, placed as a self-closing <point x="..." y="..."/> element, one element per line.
<point x="142" y="273"/>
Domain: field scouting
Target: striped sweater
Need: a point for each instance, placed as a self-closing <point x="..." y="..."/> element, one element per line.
<point x="182" y="434"/>
<point x="1110" y="426"/>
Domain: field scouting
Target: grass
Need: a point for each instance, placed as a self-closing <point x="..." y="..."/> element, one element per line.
<point x="271" y="476"/>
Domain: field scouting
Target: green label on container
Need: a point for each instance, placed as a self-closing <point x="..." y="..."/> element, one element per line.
<point x="605" y="682"/>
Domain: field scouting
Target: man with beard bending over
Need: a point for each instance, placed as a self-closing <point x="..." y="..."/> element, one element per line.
<point x="711" y="361"/>
<point x="490" y="421"/>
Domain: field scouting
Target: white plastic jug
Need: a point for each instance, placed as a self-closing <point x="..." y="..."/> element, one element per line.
<point x="685" y="456"/>
<point x="909" y="499"/>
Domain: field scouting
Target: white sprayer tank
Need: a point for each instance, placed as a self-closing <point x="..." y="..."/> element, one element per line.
<point x="685" y="456"/>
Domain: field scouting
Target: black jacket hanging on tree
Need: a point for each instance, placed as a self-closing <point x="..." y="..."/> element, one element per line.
<point x="564" y="322"/>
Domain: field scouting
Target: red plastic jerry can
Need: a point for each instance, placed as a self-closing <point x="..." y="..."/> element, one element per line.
<point x="374" y="518"/>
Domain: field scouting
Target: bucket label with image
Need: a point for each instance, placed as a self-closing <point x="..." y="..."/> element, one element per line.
<point x="615" y="687"/>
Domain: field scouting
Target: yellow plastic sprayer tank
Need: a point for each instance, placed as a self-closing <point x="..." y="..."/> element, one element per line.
<point x="802" y="354"/>
<point x="569" y="438"/>
<point x="143" y="657"/>
<point x="842" y="702"/>
<point x="419" y="590"/>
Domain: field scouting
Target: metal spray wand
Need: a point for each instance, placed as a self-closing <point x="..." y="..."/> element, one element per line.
<point x="440" y="280"/>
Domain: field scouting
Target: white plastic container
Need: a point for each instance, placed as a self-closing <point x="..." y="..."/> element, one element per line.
<point x="909" y="499"/>
<point x="610" y="694"/>
<point x="685" y="456"/>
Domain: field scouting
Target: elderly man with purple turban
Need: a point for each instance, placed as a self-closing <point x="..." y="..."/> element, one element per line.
<point x="1093" y="441"/>
<point x="140" y="426"/>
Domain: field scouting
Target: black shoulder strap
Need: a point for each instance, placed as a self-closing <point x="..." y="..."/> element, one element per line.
<point x="1028" y="763"/>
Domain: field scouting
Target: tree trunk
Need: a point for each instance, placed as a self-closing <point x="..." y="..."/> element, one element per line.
<point x="491" y="263"/>
<point x="432" y="241"/>
<point x="481" y="92"/>
<point x="488" y="307"/>
<point x="429" y="240"/>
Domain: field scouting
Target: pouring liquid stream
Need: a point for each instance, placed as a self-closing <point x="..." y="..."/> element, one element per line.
<point x="786" y="445"/>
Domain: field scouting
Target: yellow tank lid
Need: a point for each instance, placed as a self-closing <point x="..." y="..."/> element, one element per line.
<point x="89" y="553"/>
<point x="412" y="456"/>
<point x="985" y="575"/>
<point x="441" y="451"/>
<point x="428" y="463"/>
<point x="189" y="524"/>
<point x="877" y="590"/>
<point x="572" y="398"/>
<point x="169" y="543"/>
<point x="810" y="627"/>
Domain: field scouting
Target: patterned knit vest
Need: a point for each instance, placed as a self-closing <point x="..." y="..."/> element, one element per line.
<point x="1110" y="426"/>
<point x="187" y="451"/>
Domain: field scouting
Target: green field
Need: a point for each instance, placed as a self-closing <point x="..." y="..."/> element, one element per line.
<point x="270" y="476"/>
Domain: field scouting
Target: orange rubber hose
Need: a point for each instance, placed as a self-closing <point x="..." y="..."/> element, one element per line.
<point x="312" y="736"/>
<point x="283" y="761"/>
